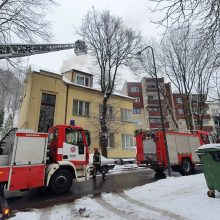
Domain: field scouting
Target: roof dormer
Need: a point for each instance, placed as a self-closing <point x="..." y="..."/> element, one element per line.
<point x="79" y="77"/>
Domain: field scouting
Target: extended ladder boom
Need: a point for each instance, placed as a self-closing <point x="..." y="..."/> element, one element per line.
<point x="21" y="50"/>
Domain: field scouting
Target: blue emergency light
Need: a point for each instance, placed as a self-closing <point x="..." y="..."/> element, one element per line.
<point x="72" y="122"/>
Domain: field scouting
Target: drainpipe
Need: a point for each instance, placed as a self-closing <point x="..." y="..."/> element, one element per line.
<point x="67" y="95"/>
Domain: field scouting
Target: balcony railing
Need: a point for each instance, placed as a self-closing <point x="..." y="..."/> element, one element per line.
<point x="154" y="101"/>
<point x="159" y="125"/>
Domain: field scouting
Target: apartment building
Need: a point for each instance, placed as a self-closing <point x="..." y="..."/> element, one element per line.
<point x="199" y="111"/>
<point x="147" y="112"/>
<point x="146" y="107"/>
<point x="214" y="112"/>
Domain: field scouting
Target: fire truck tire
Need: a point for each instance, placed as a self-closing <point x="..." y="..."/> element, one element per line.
<point x="159" y="170"/>
<point x="61" y="181"/>
<point x="186" y="167"/>
<point x="159" y="175"/>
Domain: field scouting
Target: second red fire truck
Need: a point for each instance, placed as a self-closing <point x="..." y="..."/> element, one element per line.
<point x="151" y="149"/>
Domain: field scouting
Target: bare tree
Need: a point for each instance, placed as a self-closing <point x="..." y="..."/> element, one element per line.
<point x="189" y="66"/>
<point x="10" y="93"/>
<point x="110" y="43"/>
<point x="214" y="93"/>
<point x="24" y="20"/>
<point x="113" y="121"/>
<point x="203" y="14"/>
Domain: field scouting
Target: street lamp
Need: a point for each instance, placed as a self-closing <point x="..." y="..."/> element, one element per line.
<point x="160" y="106"/>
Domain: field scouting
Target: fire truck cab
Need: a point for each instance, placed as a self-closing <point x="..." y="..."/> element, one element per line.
<point x="151" y="151"/>
<point x="31" y="159"/>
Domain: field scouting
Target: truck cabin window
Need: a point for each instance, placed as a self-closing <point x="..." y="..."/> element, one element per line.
<point x="74" y="137"/>
<point x="53" y="135"/>
<point x="205" y="138"/>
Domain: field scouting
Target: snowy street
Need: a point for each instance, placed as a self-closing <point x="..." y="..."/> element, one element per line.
<point x="171" y="198"/>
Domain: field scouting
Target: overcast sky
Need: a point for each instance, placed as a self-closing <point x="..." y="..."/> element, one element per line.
<point x="66" y="19"/>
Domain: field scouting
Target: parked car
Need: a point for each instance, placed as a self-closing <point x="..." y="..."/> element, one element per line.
<point x="106" y="163"/>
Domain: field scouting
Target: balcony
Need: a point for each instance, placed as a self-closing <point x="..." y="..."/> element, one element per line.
<point x="138" y="104"/>
<point x="151" y="90"/>
<point x="206" y="128"/>
<point x="154" y="113"/>
<point x="206" y="116"/>
<point x="159" y="125"/>
<point x="155" y="102"/>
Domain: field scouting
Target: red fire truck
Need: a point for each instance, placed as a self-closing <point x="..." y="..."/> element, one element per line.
<point x="151" y="150"/>
<point x="30" y="159"/>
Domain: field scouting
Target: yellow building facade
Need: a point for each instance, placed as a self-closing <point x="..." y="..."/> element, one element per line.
<point x="51" y="99"/>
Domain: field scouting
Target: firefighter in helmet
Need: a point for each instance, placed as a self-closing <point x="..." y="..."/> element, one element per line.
<point x="97" y="163"/>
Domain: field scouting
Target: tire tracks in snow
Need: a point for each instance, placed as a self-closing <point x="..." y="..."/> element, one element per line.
<point x="45" y="214"/>
<point x="150" y="207"/>
<point x="121" y="213"/>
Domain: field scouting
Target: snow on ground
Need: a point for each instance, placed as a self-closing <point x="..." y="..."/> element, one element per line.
<point x="170" y="198"/>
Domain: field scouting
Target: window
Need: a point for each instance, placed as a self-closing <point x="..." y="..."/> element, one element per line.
<point x="47" y="110"/>
<point x="216" y="121"/>
<point x="109" y="111"/>
<point x="53" y="136"/>
<point x="154" y="109"/>
<point x="151" y="86"/>
<point x="126" y="115"/>
<point x="155" y="120"/>
<point x="180" y="111"/>
<point x="150" y="97"/>
<point x="137" y="99"/>
<point x="128" y="141"/>
<point x="137" y="122"/>
<point x="179" y="100"/>
<point x="111" y="141"/>
<point x="214" y="111"/>
<point x="82" y="80"/>
<point x="136" y="111"/>
<point x="80" y="108"/>
<point x="134" y="89"/>
<point x="74" y="137"/>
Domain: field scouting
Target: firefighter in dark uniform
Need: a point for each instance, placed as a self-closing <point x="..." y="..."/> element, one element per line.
<point x="97" y="163"/>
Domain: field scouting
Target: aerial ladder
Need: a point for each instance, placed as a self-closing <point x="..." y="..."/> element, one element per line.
<point x="22" y="50"/>
<point x="8" y="51"/>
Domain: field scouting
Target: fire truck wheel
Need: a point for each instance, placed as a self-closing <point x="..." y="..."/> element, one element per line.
<point x="186" y="167"/>
<point x="159" y="170"/>
<point x="61" y="181"/>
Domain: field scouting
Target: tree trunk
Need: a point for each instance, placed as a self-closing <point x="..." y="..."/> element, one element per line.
<point x="104" y="129"/>
<point x="188" y="114"/>
<point x="2" y="113"/>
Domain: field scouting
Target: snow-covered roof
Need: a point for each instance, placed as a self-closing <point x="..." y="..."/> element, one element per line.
<point x="38" y="69"/>
<point x="94" y="89"/>
<point x="77" y="70"/>
<point x="209" y="146"/>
